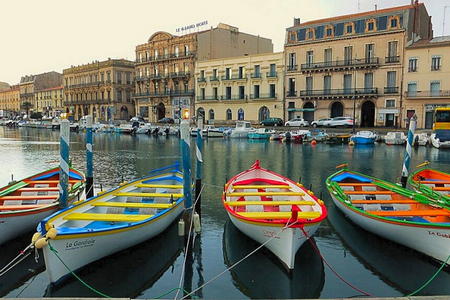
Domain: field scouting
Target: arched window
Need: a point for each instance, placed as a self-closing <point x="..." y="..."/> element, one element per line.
<point x="264" y="113"/>
<point x="201" y="112"/>
<point x="229" y="114"/>
<point x="211" y="114"/>
<point x="240" y="114"/>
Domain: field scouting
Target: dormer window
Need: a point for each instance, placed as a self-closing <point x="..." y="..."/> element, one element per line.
<point x="394" y="22"/>
<point x="310" y="34"/>
<point x="329" y="31"/>
<point x="370" y="25"/>
<point x="349" y="28"/>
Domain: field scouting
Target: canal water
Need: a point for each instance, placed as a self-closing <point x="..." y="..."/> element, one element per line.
<point x="152" y="269"/>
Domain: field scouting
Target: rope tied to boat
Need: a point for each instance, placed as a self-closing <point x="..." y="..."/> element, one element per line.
<point x="23" y="254"/>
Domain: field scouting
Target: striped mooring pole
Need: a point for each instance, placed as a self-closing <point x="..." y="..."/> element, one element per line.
<point x="64" y="163"/>
<point x="185" y="144"/>
<point x="198" y="169"/>
<point x="407" y="156"/>
<point x="89" y="159"/>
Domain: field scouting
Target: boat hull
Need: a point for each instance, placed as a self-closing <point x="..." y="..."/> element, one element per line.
<point x="363" y="140"/>
<point x="77" y="251"/>
<point x="285" y="245"/>
<point x="429" y="240"/>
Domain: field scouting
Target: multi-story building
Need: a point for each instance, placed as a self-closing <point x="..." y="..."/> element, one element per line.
<point x="101" y="89"/>
<point x="50" y="101"/>
<point x="31" y="83"/>
<point x="240" y="88"/>
<point x="352" y="65"/>
<point x="165" y="66"/>
<point x="9" y="100"/>
<point x="426" y="79"/>
<point x="4" y="86"/>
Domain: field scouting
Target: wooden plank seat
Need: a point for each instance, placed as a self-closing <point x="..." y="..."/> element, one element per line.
<point x="243" y="194"/>
<point x="369" y="192"/>
<point x="356" y="184"/>
<point x="38" y="189"/>
<point x="268" y="203"/>
<point x="133" y="204"/>
<point x="411" y="213"/>
<point x="20" y="207"/>
<point x="438" y="188"/>
<point x="148" y="195"/>
<point x="280" y="215"/>
<point x="50" y="181"/>
<point x="29" y="197"/>
<point x="167" y="186"/>
<point x="261" y="187"/>
<point x="106" y="217"/>
<point x="385" y="202"/>
<point x="433" y="181"/>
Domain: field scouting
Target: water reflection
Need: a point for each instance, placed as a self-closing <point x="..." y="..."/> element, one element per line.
<point x="261" y="276"/>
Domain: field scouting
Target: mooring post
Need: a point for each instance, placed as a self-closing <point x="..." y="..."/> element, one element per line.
<point x="185" y="144"/>
<point x="89" y="159"/>
<point x="407" y="156"/>
<point x="64" y="163"/>
<point x="198" y="169"/>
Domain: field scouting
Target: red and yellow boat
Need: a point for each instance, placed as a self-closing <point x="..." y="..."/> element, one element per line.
<point x="435" y="184"/>
<point x="273" y="210"/>
<point x="24" y="203"/>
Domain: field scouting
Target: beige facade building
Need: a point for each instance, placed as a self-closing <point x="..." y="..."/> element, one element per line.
<point x="101" y="89"/>
<point x="165" y="66"/>
<point x="427" y="79"/>
<point x="240" y="88"/>
<point x="49" y="101"/>
<point x="31" y="83"/>
<point x="352" y="65"/>
<point x="10" y="100"/>
<point x="4" y="86"/>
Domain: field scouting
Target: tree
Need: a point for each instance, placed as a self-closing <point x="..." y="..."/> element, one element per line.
<point x="27" y="106"/>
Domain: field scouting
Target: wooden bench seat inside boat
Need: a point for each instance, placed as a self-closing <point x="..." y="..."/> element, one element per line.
<point x="106" y="217"/>
<point x="269" y="203"/>
<point x="148" y="195"/>
<point x="243" y="194"/>
<point x="441" y="188"/>
<point x="280" y="215"/>
<point x="51" y="181"/>
<point x="133" y="204"/>
<point x="434" y="182"/>
<point x="385" y="202"/>
<point x="356" y="184"/>
<point x="29" y="197"/>
<point x="261" y="187"/>
<point x="411" y="213"/>
<point x="19" y="207"/>
<point x="369" y="192"/>
<point x="38" y="189"/>
<point x="166" y="186"/>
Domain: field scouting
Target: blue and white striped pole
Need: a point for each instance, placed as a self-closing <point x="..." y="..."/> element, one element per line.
<point x="64" y="163"/>
<point x="407" y="156"/>
<point x="198" y="169"/>
<point x="185" y="143"/>
<point x="89" y="159"/>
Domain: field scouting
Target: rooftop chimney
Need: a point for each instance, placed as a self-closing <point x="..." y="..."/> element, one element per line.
<point x="296" y="21"/>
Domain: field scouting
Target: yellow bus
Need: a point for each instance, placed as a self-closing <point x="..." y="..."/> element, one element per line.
<point x="441" y="118"/>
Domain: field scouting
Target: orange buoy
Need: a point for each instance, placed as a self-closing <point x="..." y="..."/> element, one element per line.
<point x="313" y="142"/>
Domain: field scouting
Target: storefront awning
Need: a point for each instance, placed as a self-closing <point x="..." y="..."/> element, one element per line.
<point x="301" y="109"/>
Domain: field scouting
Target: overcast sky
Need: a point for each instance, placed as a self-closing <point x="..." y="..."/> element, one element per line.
<point x="49" y="35"/>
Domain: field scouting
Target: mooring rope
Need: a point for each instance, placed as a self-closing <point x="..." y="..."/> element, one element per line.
<point x="16" y="260"/>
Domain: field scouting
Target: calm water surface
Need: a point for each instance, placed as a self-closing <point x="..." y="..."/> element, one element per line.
<point x="153" y="268"/>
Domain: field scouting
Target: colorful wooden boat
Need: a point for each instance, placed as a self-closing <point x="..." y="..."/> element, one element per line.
<point x="24" y="203"/>
<point x="264" y="205"/>
<point x="433" y="183"/>
<point x="120" y="218"/>
<point x="400" y="215"/>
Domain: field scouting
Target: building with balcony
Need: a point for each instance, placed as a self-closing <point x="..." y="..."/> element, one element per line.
<point x="426" y="79"/>
<point x="31" y="83"/>
<point x="10" y="100"/>
<point x="101" y="89"/>
<point x="351" y="65"/>
<point x="49" y="101"/>
<point x="240" y="88"/>
<point x="165" y="65"/>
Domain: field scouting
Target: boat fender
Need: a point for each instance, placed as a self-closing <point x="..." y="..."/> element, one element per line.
<point x="197" y="226"/>
<point x="299" y="184"/>
<point x="41" y="243"/>
<point x="51" y="233"/>
<point x="311" y="193"/>
<point x="123" y="183"/>
<point x="35" y="237"/>
<point x="320" y="201"/>
<point x="351" y="143"/>
<point x="181" y="227"/>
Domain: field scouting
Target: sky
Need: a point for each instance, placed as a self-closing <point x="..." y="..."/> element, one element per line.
<point x="39" y="36"/>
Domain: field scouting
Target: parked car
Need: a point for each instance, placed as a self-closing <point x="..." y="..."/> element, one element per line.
<point x="297" y="122"/>
<point x="166" y="121"/>
<point x="319" y="123"/>
<point x="339" y="121"/>
<point x="272" y="122"/>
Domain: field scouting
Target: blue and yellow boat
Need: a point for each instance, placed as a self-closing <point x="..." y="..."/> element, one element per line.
<point x="120" y="218"/>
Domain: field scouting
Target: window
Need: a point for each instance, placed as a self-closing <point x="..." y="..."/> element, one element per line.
<point x="347" y="83"/>
<point x="202" y="74"/>
<point x="241" y="92"/>
<point x="211" y="114"/>
<point x="309" y="83"/>
<point x="412" y="89"/>
<point x="412" y="66"/>
<point x="368" y="80"/>
<point x="391" y="79"/>
<point x="240" y="114"/>
<point x="241" y="72"/>
<point x="435" y="63"/>
<point x="309" y="57"/>
<point x="327" y="84"/>
<point x="229" y="114"/>
<point x="291" y="86"/>
<point x="392" y="51"/>
<point x="310" y="34"/>
<point x="328" y="55"/>
<point x="348" y="50"/>
<point x="186" y="50"/>
<point x="435" y="88"/>
<point x="256" y="91"/>
<point x="227" y="73"/>
<point x="370" y="51"/>
<point x="272" y="91"/>
<point x="272" y="70"/>
<point x="292" y="61"/>
<point x="214" y="73"/>
<point x="156" y="53"/>
<point x="370" y="25"/>
<point x="228" y="93"/>
<point x="202" y="93"/>
<point x="329" y="31"/>
<point x="257" y="71"/>
<point x="394" y="22"/>
<point x="349" y="28"/>
<point x="177" y="51"/>
<point x="215" y="93"/>
<point x="390" y="103"/>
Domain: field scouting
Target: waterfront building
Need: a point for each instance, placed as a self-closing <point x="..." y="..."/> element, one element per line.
<point x="164" y="70"/>
<point x="4" y="86"/>
<point x="352" y="64"/>
<point x="49" y="101"/>
<point x="247" y="87"/>
<point x="9" y="100"/>
<point x="426" y="79"/>
<point x="31" y="83"/>
<point x="101" y="89"/>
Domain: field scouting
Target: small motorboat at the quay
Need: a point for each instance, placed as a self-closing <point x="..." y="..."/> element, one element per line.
<point x="421" y="139"/>
<point x="364" y="137"/>
<point x="25" y="202"/>
<point x="242" y="129"/>
<point x="273" y="210"/>
<point x="392" y="212"/>
<point x="395" y="138"/>
<point x="440" y="139"/>
<point x="260" y="134"/>
<point x="112" y="221"/>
